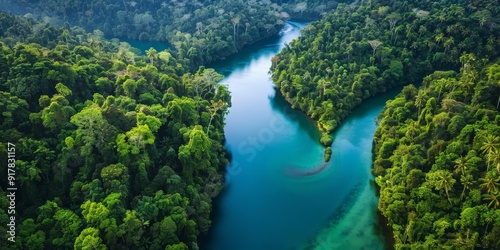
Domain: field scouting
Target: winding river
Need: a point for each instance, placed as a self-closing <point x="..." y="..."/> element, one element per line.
<point x="264" y="205"/>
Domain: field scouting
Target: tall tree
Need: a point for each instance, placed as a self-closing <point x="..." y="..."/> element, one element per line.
<point x="151" y="53"/>
<point x="213" y="109"/>
<point x="442" y="179"/>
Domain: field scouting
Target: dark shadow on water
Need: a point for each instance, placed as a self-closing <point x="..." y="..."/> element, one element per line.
<point x="298" y="171"/>
<point x="280" y="105"/>
<point x="381" y="226"/>
<point x="216" y="213"/>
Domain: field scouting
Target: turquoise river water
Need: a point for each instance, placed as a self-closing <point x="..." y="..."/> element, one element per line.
<point x="262" y="205"/>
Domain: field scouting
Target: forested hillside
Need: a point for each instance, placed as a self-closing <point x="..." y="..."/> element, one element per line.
<point x="113" y="150"/>
<point x="437" y="160"/>
<point x="358" y="51"/>
<point x="201" y="31"/>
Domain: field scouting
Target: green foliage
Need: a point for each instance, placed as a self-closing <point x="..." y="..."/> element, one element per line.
<point x="97" y="143"/>
<point x="326" y="139"/>
<point x="201" y="32"/>
<point x="89" y="239"/>
<point x="361" y="50"/>
<point x="328" y="153"/>
<point x="448" y="147"/>
<point x="435" y="152"/>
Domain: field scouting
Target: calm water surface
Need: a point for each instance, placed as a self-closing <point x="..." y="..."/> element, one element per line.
<point x="263" y="207"/>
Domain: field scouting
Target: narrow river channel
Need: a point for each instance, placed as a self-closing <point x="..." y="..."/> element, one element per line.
<point x="263" y="205"/>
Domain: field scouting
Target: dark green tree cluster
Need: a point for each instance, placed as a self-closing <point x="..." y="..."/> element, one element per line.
<point x="358" y="51"/>
<point x="437" y="160"/>
<point x="200" y="31"/>
<point x="113" y="150"/>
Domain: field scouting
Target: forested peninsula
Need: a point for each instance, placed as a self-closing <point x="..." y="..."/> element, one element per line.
<point x="113" y="150"/>
<point x="360" y="50"/>
<point x="200" y="31"/>
<point x="436" y="152"/>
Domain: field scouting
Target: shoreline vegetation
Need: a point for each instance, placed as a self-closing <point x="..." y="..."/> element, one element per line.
<point x="358" y="51"/>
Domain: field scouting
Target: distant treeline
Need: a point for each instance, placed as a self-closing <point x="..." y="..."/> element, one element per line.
<point x="201" y="31"/>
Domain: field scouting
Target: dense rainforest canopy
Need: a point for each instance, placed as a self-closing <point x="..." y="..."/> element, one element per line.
<point x="358" y="51"/>
<point x="200" y="31"/>
<point x="113" y="150"/>
<point x="116" y="150"/>
<point x="437" y="160"/>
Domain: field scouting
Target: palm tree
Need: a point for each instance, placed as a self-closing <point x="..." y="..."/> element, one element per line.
<point x="448" y="43"/>
<point x="442" y="17"/>
<point x="443" y="179"/>
<point x="199" y="27"/>
<point x="235" y="21"/>
<point x="489" y="146"/>
<point x="495" y="158"/>
<point x="421" y="30"/>
<point x="467" y="181"/>
<point x="151" y="53"/>
<point x="247" y="24"/>
<point x="94" y="43"/>
<point x="494" y="199"/>
<point x="375" y="44"/>
<point x="482" y="21"/>
<point x="418" y="102"/>
<point x="490" y="184"/>
<point x="412" y="130"/>
<point x="439" y="38"/>
<point x="322" y="83"/>
<point x="461" y="164"/>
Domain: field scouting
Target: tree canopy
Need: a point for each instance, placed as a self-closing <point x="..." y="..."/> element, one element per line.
<point x="358" y="51"/>
<point x="200" y="31"/>
<point x="112" y="148"/>
<point x="436" y="160"/>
